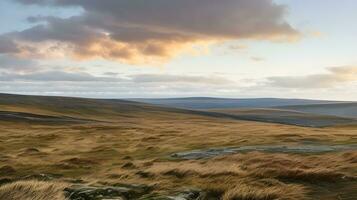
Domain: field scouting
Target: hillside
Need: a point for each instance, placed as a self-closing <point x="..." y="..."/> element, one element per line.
<point x="45" y="109"/>
<point x="223" y="103"/>
<point x="117" y="149"/>
<point x="336" y="109"/>
<point x="82" y="108"/>
<point x="291" y="117"/>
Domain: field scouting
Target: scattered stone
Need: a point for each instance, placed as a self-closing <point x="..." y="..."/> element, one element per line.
<point x="116" y="192"/>
<point x="190" y="194"/>
<point x="42" y="177"/>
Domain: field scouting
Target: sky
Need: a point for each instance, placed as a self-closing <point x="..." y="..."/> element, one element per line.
<point x="179" y="48"/>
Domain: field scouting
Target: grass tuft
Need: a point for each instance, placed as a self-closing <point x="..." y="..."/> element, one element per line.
<point x="32" y="190"/>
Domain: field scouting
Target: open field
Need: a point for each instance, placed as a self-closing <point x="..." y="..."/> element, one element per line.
<point x="120" y="144"/>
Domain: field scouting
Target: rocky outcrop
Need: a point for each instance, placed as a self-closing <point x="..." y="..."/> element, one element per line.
<point x="127" y="192"/>
<point x="117" y="192"/>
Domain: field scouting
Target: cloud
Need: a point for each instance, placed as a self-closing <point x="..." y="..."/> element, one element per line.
<point x="65" y="76"/>
<point x="111" y="85"/>
<point x="55" y="76"/>
<point x="148" y="31"/>
<point x="337" y="81"/>
<point x="334" y="77"/>
<point x="7" y="45"/>
<point x="158" y="78"/>
<point x="11" y="63"/>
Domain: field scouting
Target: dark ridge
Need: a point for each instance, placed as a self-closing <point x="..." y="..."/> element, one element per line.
<point x="28" y="117"/>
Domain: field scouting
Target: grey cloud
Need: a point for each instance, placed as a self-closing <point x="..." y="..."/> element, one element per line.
<point x="334" y="77"/>
<point x="157" y="78"/>
<point x="7" y="45"/>
<point x="129" y="30"/>
<point x="229" y="17"/>
<point x="11" y="63"/>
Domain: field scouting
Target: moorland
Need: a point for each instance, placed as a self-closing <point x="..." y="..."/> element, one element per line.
<point x="77" y="148"/>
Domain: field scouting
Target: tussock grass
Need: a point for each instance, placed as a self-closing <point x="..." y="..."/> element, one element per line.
<point x="297" y="174"/>
<point x="248" y="192"/>
<point x="32" y="190"/>
<point x="250" y="189"/>
<point x="145" y="136"/>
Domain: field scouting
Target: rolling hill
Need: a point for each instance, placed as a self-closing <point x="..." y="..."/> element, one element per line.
<point x="336" y="109"/>
<point x="106" y="110"/>
<point x="224" y="103"/>
<point x="290" y="117"/>
<point x="100" y="145"/>
<point x="46" y="109"/>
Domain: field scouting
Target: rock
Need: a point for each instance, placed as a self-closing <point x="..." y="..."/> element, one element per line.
<point x="80" y="192"/>
<point x="42" y="177"/>
<point x="138" y="188"/>
<point x="7" y="170"/>
<point x="117" y="192"/>
<point x="190" y="194"/>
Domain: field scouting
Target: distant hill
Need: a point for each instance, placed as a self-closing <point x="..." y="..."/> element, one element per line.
<point x="223" y="103"/>
<point x="287" y="117"/>
<point x="82" y="108"/>
<point x="336" y="109"/>
<point x="68" y="110"/>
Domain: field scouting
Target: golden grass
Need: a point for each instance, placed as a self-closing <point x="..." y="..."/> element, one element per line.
<point x="32" y="190"/>
<point x="134" y="148"/>
<point x="244" y="191"/>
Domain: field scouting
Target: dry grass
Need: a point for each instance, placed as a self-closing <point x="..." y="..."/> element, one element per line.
<point x="134" y="148"/>
<point x="32" y="190"/>
<point x="244" y="191"/>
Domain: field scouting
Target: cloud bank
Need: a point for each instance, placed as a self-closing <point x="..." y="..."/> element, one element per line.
<point x="334" y="77"/>
<point x="142" y="31"/>
<point x="338" y="81"/>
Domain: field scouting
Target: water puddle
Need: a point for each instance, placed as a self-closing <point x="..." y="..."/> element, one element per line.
<point x="212" y="152"/>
